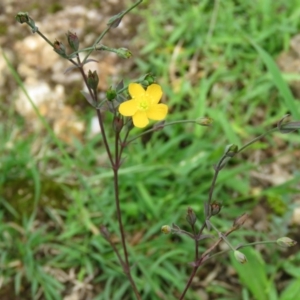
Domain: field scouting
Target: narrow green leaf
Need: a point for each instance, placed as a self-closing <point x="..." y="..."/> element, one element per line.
<point x="292" y="291"/>
<point x="281" y="85"/>
<point x="253" y="274"/>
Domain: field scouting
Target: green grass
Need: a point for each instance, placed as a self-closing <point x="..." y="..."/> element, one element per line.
<point x="213" y="58"/>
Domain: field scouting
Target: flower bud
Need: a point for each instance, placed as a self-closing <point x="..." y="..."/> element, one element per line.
<point x="111" y="94"/>
<point x="240" y="257"/>
<point x="149" y="79"/>
<point x="204" y="121"/>
<point x="239" y="221"/>
<point x="129" y="124"/>
<point x="114" y="21"/>
<point x="289" y="127"/>
<point x="166" y="229"/>
<point x="215" y="208"/>
<point x="104" y="231"/>
<point x="231" y="150"/>
<point x="59" y="48"/>
<point x="73" y="40"/>
<point x="124" y="53"/>
<point x="92" y="80"/>
<point x="118" y="124"/>
<point x="286" y="242"/>
<point x="22" y="17"/>
<point x="191" y="216"/>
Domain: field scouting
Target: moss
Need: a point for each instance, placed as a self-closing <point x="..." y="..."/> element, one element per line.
<point x="276" y="203"/>
<point x="3" y="29"/>
<point x="55" y="7"/>
<point x="76" y="100"/>
<point x="19" y="197"/>
<point x="96" y="4"/>
<point x="34" y="6"/>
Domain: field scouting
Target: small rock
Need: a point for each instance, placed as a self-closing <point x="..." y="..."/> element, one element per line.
<point x="296" y="215"/>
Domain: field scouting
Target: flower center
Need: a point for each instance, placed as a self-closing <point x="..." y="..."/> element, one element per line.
<point x="143" y="104"/>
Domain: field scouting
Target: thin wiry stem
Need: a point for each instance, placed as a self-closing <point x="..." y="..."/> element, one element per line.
<point x="115" y="164"/>
<point x="188" y="283"/>
<point x="101" y="36"/>
<point x="126" y="266"/>
<point x="218" y="167"/>
<point x="164" y="125"/>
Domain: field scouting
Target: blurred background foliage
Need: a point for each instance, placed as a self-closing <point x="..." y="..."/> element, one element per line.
<point x="52" y="204"/>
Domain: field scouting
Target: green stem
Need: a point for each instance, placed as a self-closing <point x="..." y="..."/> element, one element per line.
<point x="107" y="30"/>
<point x="256" y="139"/>
<point x="242" y="246"/>
<point x="163" y="125"/>
<point x="256" y="243"/>
<point x="94" y="45"/>
<point x="222" y="236"/>
<point x="45" y="38"/>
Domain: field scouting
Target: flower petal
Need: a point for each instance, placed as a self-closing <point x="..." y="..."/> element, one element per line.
<point x="154" y="91"/>
<point x="135" y="90"/>
<point x="128" y="108"/>
<point x="157" y="112"/>
<point x="140" y="119"/>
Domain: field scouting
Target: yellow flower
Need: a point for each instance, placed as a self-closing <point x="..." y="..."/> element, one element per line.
<point x="144" y="105"/>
